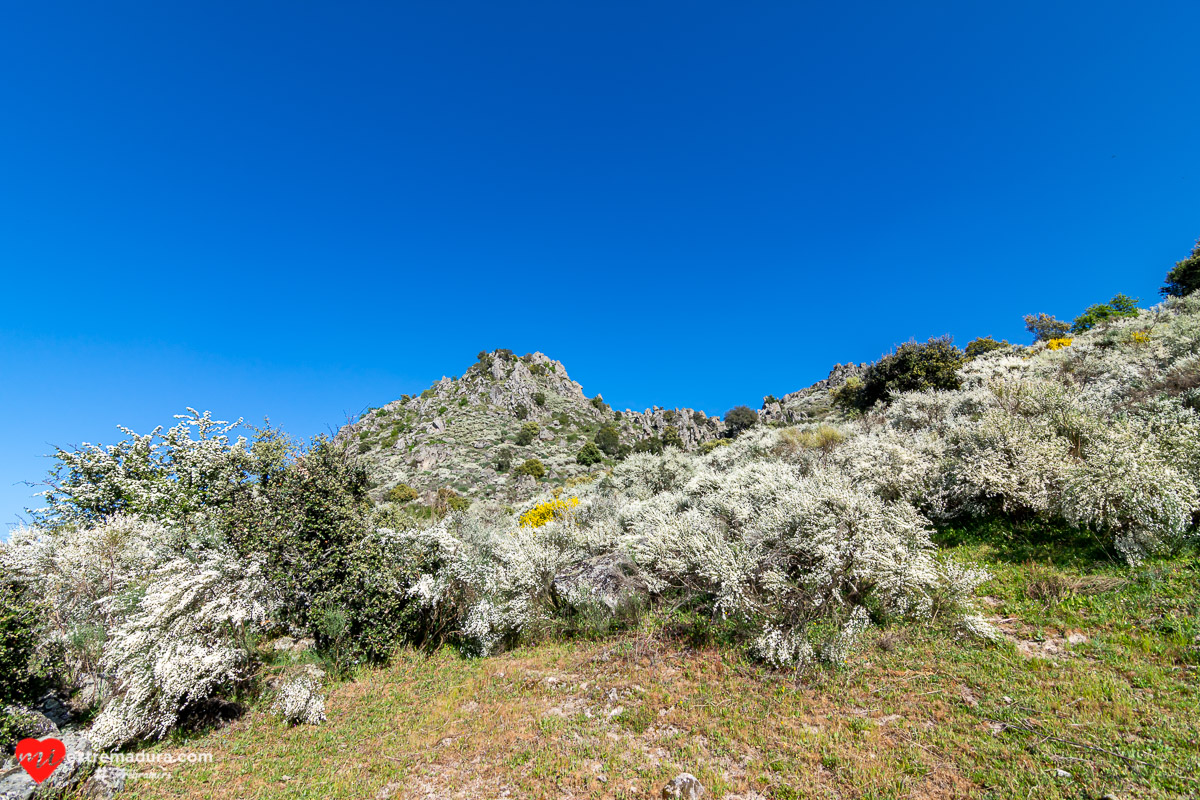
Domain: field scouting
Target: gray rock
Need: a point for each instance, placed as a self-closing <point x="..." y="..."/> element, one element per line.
<point x="15" y="784"/>
<point x="76" y="764"/>
<point x="104" y="784"/>
<point x="684" y="787"/>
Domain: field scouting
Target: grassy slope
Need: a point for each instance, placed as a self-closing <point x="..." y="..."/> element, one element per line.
<point x="915" y="713"/>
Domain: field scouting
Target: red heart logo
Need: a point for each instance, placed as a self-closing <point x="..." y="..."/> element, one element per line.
<point x="40" y="757"/>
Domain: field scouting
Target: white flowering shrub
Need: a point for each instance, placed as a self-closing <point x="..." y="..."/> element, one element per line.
<point x="190" y="635"/>
<point x="300" y="702"/>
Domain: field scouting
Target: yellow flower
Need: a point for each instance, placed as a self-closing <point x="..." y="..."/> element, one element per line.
<point x="1059" y="344"/>
<point x="1140" y="337"/>
<point x="542" y="513"/>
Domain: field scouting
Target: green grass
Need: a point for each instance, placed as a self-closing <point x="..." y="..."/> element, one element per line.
<point x="916" y="712"/>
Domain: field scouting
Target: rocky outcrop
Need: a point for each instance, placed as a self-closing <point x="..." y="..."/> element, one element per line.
<point x="462" y="432"/>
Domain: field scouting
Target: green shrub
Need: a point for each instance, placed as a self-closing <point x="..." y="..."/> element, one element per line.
<point x="528" y="433"/>
<point x="402" y="493"/>
<point x="598" y="403"/>
<point x="740" y="418"/>
<point x="522" y="412"/>
<point x="651" y="444"/>
<point x="713" y="444"/>
<point x="539" y="398"/>
<point x="504" y="459"/>
<point x="914" y="366"/>
<point x="532" y="467"/>
<point x="449" y="500"/>
<point x="769" y="399"/>
<point x="27" y="670"/>
<point x="462" y="402"/>
<point x="608" y="439"/>
<point x="1185" y="278"/>
<point x="671" y="438"/>
<point x="312" y="522"/>
<point x="537" y="369"/>
<point x="1045" y="327"/>
<point x="589" y="454"/>
<point x="428" y="393"/>
<point x="1120" y="306"/>
<point x="983" y="344"/>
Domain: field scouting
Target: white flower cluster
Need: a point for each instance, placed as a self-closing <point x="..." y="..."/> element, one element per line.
<point x="300" y="702"/>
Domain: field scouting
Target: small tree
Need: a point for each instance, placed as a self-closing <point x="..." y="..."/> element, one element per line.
<point x="528" y="433"/>
<point x="608" y="439"/>
<point x="539" y="398"/>
<point x="504" y="459"/>
<point x="651" y="444"/>
<point x="1045" y="327"/>
<point x="589" y="454"/>
<point x="739" y="419"/>
<point x="671" y="438"/>
<point x="1185" y="278"/>
<point x="984" y="344"/>
<point x="1120" y="306"/>
<point x="913" y="367"/>
<point x="532" y="467"/>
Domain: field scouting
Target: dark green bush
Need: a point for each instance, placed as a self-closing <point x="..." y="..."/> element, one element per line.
<point x="1120" y="306"/>
<point x="651" y="444"/>
<point x="521" y="412"/>
<point x="589" y="454"/>
<point x="740" y="418"/>
<point x="598" y="403"/>
<point x="504" y="459"/>
<point x="532" y="467"/>
<point x="984" y="344"/>
<point x="26" y="670"/>
<point x="539" y="398"/>
<point x="608" y="439"/>
<point x="769" y="399"/>
<point x="914" y="366"/>
<point x="671" y="438"/>
<point x="311" y="520"/>
<point x="527" y="434"/>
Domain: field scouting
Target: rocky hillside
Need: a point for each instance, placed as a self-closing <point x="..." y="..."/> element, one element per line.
<point x="472" y="433"/>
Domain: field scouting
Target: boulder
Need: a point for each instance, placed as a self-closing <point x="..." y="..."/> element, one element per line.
<point x="684" y="787"/>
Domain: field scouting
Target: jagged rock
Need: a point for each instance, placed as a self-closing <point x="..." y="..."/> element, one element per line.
<point x="55" y="709"/>
<point x="612" y="579"/>
<point x="684" y="787"/>
<point x="483" y="411"/>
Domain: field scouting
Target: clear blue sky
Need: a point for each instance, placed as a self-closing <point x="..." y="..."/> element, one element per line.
<point x="302" y="209"/>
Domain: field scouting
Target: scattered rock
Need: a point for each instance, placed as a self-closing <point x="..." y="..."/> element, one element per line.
<point x="1076" y="638"/>
<point x="104" y="784"/>
<point x="684" y="787"/>
<point x="968" y="696"/>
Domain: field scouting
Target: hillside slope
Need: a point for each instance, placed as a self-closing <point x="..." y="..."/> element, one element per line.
<point x="461" y="432"/>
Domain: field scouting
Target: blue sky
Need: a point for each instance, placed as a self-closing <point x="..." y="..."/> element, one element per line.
<point x="302" y="209"/>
